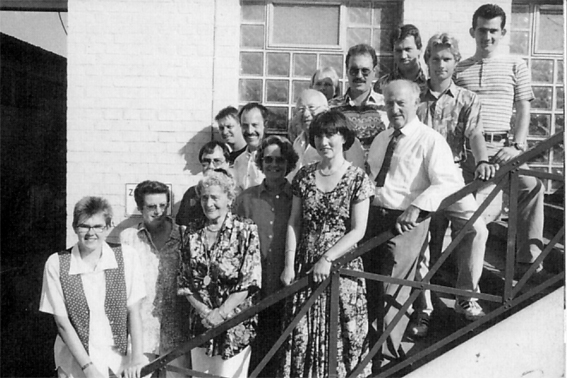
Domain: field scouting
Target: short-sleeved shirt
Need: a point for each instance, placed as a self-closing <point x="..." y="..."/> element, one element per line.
<point x="368" y="119"/>
<point x="499" y="82"/>
<point x="271" y="213"/>
<point x="101" y="343"/>
<point x="455" y="114"/>
<point x="232" y="264"/>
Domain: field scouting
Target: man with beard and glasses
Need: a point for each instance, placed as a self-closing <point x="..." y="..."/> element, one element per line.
<point x="363" y="107"/>
<point x="253" y="120"/>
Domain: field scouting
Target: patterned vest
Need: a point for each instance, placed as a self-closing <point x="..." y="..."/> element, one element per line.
<point x="114" y="303"/>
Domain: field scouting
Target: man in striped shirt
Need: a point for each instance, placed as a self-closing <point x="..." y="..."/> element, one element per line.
<point x="503" y="83"/>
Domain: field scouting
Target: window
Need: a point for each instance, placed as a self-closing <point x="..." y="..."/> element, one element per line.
<point x="537" y="36"/>
<point x="283" y="43"/>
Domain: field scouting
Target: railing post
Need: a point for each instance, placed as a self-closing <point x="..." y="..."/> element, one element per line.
<point x="512" y="232"/>
<point x="333" y="322"/>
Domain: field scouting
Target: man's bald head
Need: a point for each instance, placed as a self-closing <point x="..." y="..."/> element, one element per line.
<point x="310" y="103"/>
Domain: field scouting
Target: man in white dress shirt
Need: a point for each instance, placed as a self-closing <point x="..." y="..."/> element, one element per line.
<point x="413" y="169"/>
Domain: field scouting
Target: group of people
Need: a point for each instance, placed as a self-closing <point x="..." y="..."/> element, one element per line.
<point x="268" y="211"/>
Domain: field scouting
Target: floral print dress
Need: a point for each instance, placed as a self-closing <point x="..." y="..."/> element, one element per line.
<point x="326" y="219"/>
<point x="230" y="265"/>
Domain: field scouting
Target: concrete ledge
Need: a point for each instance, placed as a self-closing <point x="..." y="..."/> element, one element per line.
<point x="528" y="344"/>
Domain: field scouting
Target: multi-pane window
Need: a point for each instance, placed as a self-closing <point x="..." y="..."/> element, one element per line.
<point x="283" y="44"/>
<point x="537" y="35"/>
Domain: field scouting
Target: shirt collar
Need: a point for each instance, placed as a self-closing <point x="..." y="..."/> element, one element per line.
<point x="373" y="98"/>
<point x="409" y="128"/>
<point x="174" y="228"/>
<point x="451" y="91"/>
<point x="107" y="261"/>
<point x="286" y="189"/>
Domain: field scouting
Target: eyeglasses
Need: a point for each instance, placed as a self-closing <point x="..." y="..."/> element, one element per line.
<point x="162" y="206"/>
<point x="312" y="109"/>
<point x="215" y="162"/>
<point x="83" y="228"/>
<point x="354" y="71"/>
<point x="272" y="159"/>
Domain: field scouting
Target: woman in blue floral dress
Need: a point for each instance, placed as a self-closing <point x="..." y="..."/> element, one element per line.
<point x="220" y="275"/>
<point x="328" y="217"/>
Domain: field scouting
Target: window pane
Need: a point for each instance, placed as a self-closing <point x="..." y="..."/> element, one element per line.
<point x="304" y="64"/>
<point x="559" y="72"/>
<point x="252" y="13"/>
<point x="359" y="15"/>
<point x="539" y="124"/>
<point x="520" y="17"/>
<point x="278" y="64"/>
<point x="278" y="120"/>
<point x="305" y="25"/>
<point x="277" y="91"/>
<point x="250" y="90"/>
<point x="251" y="63"/>
<point x="542" y="158"/>
<point x="542" y="98"/>
<point x="559" y="123"/>
<point x="358" y="35"/>
<point x="519" y="43"/>
<point x="386" y="16"/>
<point x="542" y="71"/>
<point x="335" y="61"/>
<point x="560" y="98"/>
<point x="381" y="40"/>
<point x="252" y="36"/>
<point x="550" y="31"/>
<point x="555" y="184"/>
<point x="559" y="154"/>
<point x="298" y="87"/>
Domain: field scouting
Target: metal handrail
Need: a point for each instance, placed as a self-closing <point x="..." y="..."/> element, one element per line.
<point x="510" y="171"/>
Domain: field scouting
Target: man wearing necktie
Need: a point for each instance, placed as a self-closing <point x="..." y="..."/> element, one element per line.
<point x="413" y="169"/>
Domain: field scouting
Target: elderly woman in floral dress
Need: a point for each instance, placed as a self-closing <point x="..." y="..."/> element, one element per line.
<point x="220" y="275"/>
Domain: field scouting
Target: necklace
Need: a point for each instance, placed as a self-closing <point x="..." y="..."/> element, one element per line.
<point x="208" y="246"/>
<point x="332" y="171"/>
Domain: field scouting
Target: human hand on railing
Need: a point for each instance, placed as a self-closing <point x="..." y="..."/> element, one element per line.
<point x="505" y="155"/>
<point x="407" y="220"/>
<point x="287" y="276"/>
<point x="485" y="170"/>
<point x="213" y="319"/>
<point x="321" y="270"/>
<point x="135" y="367"/>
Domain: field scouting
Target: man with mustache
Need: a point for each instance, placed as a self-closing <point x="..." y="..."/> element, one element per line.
<point x="253" y="119"/>
<point x="406" y="45"/>
<point x="360" y="104"/>
<point x="502" y="83"/>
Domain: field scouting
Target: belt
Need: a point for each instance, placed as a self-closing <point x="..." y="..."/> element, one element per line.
<point x="495" y="137"/>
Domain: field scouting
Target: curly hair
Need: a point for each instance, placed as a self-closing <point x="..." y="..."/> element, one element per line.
<point x="286" y="149"/>
<point x="219" y="177"/>
<point x="149" y="187"/>
<point x="444" y="40"/>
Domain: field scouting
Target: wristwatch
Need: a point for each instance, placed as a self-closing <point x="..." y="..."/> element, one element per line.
<point x="519" y="146"/>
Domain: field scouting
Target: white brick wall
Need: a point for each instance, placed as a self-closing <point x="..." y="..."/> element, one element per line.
<point x="140" y="93"/>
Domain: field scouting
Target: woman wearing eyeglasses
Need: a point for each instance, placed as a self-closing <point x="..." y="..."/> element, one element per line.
<point x="269" y="206"/>
<point x="157" y="241"/>
<point x="220" y="275"/>
<point x="331" y="199"/>
<point x="94" y="291"/>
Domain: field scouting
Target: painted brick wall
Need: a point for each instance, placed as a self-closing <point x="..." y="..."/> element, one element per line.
<point x="450" y="16"/>
<point x="140" y="93"/>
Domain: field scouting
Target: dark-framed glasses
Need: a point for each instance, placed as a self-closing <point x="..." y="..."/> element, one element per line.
<point x="353" y="71"/>
<point x="272" y="159"/>
<point x="97" y="228"/>
<point x="214" y="162"/>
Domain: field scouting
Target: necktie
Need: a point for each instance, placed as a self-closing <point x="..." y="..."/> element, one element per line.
<point x="388" y="158"/>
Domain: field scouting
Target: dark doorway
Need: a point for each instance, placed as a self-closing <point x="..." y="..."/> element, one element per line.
<point x="33" y="185"/>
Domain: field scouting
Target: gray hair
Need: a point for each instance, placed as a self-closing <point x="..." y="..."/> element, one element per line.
<point x="218" y="177"/>
<point x="412" y="86"/>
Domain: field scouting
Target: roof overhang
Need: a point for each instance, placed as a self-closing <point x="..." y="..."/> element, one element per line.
<point x="34" y="5"/>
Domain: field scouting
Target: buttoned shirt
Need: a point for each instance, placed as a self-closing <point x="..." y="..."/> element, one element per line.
<point x="246" y="172"/>
<point x="420" y="80"/>
<point x="368" y="119"/>
<point x="455" y="114"/>
<point x="101" y="342"/>
<point x="422" y="172"/>
<point x="499" y="81"/>
<point x="307" y="154"/>
<point x="271" y="213"/>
